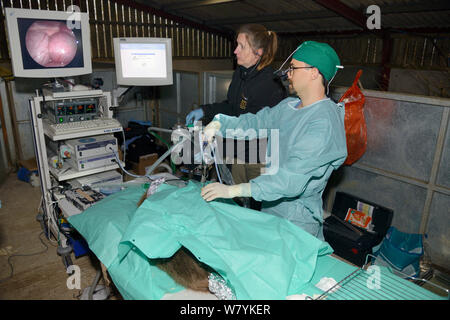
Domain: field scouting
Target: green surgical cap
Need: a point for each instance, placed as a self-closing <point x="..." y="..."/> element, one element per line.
<point x="319" y="55"/>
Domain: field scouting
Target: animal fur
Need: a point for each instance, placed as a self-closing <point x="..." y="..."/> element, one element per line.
<point x="186" y="270"/>
<point x="184" y="267"/>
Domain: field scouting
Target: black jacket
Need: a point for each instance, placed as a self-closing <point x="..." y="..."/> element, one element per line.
<point x="250" y="91"/>
<point x="259" y="88"/>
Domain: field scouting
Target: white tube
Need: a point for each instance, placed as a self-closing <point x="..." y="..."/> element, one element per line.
<point x="161" y="159"/>
<point x="159" y="129"/>
<point x="165" y="166"/>
<point x="215" y="160"/>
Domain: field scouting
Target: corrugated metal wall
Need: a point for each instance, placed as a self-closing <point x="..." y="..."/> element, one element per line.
<point x="110" y="19"/>
<point x="408" y="51"/>
<point x="122" y="18"/>
<point x="405" y="167"/>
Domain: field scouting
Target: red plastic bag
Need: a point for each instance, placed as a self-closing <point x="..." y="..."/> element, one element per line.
<point x="355" y="123"/>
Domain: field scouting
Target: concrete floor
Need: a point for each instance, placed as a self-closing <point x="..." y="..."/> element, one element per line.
<point x="41" y="276"/>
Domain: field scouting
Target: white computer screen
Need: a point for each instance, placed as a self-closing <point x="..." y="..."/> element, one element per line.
<point x="46" y="44"/>
<point x="143" y="61"/>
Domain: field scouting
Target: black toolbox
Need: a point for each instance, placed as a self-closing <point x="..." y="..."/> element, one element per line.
<point x="351" y="242"/>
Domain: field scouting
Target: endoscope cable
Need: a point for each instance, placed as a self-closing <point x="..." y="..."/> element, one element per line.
<point x="153" y="167"/>
<point x="23" y="255"/>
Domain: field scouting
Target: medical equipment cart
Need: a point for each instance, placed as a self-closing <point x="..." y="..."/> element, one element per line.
<point x="46" y="129"/>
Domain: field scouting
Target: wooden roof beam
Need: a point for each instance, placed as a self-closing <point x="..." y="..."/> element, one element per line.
<point x="345" y="11"/>
<point x="194" y="4"/>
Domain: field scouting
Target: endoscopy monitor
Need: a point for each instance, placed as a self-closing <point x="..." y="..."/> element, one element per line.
<point x="143" y="61"/>
<point x="48" y="44"/>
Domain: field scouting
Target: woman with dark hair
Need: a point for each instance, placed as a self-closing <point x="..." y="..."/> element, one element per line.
<point x="252" y="88"/>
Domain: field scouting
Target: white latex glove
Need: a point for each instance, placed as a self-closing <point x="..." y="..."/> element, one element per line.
<point x="217" y="190"/>
<point x="211" y="130"/>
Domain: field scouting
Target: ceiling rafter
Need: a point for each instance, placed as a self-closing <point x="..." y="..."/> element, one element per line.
<point x="324" y="14"/>
<point x="195" y="4"/>
<point x="345" y="11"/>
<point x="273" y="17"/>
<point x="429" y="6"/>
<point x="417" y="30"/>
<point x="330" y="11"/>
<point x="173" y="17"/>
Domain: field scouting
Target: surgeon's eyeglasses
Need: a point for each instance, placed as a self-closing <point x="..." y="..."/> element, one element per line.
<point x="292" y="68"/>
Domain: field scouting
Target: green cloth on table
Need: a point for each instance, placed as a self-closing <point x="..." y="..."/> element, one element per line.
<point x="261" y="256"/>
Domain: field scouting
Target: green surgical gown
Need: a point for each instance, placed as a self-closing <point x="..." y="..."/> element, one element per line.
<point x="304" y="146"/>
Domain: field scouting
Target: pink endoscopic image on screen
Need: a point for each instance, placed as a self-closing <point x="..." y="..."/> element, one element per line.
<point x="51" y="43"/>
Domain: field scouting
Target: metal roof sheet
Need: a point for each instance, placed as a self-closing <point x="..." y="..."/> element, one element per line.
<point x="308" y="15"/>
